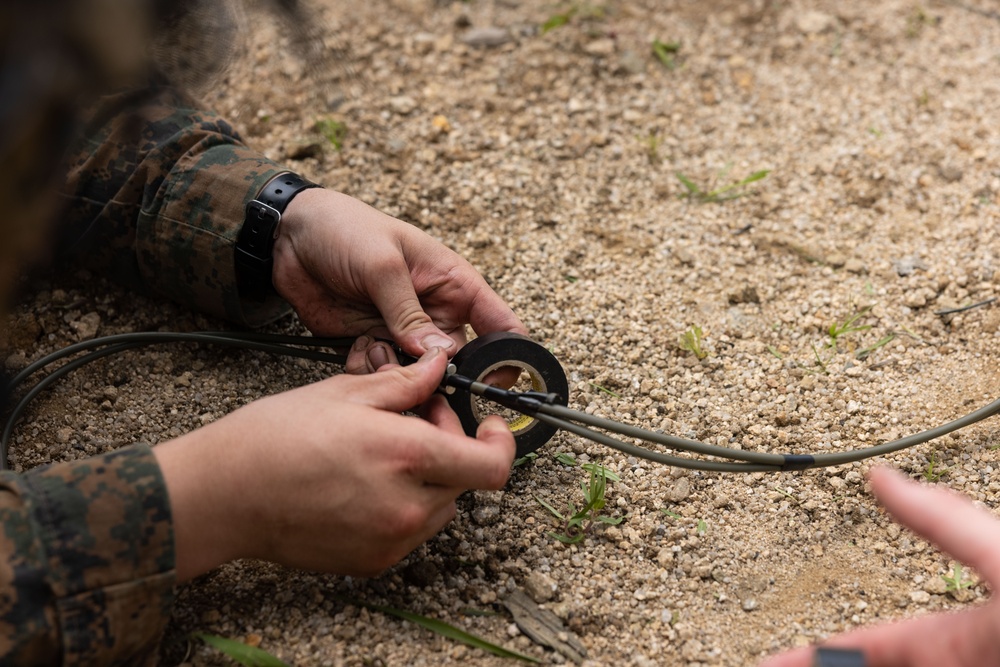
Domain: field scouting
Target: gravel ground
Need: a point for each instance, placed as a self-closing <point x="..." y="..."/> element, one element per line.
<point x="549" y="160"/>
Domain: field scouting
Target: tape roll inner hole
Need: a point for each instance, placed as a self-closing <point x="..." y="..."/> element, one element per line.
<point x="528" y="380"/>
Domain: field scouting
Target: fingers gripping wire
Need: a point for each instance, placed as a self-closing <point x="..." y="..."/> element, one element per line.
<point x="543" y="408"/>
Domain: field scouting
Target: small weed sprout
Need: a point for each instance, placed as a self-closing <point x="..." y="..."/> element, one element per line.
<point x="666" y="53"/>
<point x="691" y="340"/>
<point x="578" y="523"/>
<point x="608" y="473"/>
<point x="917" y="20"/>
<point x="720" y="194"/>
<point x="604" y="390"/>
<point x="849" y="326"/>
<point x="445" y="630"/>
<point x="557" y="20"/>
<point x="522" y="460"/>
<point x="244" y="654"/>
<point x="584" y="10"/>
<point x="651" y="142"/>
<point x="788" y="494"/>
<point x="820" y="361"/>
<point x="956" y="581"/>
<point x="333" y="131"/>
<point x="865" y="351"/>
<point x="702" y="527"/>
<point x="836" y="333"/>
<point x="566" y="459"/>
<point x="934" y="472"/>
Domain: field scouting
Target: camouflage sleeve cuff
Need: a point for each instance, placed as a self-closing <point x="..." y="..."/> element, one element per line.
<point x="157" y="193"/>
<point x="186" y="243"/>
<point x="105" y="526"/>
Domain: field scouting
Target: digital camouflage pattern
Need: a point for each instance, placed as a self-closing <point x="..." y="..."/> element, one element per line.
<point x="87" y="566"/>
<point x="155" y="196"/>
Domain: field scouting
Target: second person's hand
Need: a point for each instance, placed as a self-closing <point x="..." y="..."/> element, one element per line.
<point x="971" y="534"/>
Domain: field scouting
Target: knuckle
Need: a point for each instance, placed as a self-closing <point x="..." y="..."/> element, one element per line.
<point x="407" y="521"/>
<point x="413" y="317"/>
<point x="414" y="459"/>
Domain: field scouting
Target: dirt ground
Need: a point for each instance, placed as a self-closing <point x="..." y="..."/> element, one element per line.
<point x="550" y="161"/>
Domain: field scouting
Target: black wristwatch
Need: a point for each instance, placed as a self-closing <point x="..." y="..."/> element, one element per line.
<point x="255" y="242"/>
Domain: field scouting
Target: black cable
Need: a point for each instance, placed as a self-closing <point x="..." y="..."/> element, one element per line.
<point x="109" y="345"/>
<point x="768" y="461"/>
<point x="531" y="404"/>
<point x="564" y="418"/>
<point x="250" y="340"/>
<point x="62" y="371"/>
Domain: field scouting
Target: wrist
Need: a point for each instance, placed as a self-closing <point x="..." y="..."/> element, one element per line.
<point x="202" y="484"/>
<point x="264" y="217"/>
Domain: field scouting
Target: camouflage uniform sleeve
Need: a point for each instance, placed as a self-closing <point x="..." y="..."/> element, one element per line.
<point x="86" y="562"/>
<point x="156" y="196"/>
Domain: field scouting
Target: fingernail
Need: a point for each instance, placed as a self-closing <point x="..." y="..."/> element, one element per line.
<point x="437" y="340"/>
<point x="498" y="425"/>
<point x="363" y="342"/>
<point x="431" y="354"/>
<point x="377" y="357"/>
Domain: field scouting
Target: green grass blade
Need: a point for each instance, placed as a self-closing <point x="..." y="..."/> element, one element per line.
<point x="693" y="190"/>
<point x="864" y="352"/>
<point x="566" y="539"/>
<point x="604" y="389"/>
<point x="597" y="468"/>
<point x="566" y="459"/>
<point x="555" y="21"/>
<point x="451" y="632"/>
<point x="248" y="656"/>
<point x="664" y="52"/>
<point x="550" y="508"/>
<point x="754" y="177"/>
<point x="530" y="456"/>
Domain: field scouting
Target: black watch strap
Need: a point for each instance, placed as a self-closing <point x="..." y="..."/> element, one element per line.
<point x="255" y="242"/>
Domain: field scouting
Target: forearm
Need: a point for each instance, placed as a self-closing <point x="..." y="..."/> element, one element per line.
<point x="202" y="471"/>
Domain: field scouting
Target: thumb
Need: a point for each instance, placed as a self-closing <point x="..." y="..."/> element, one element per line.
<point x="399" y="388"/>
<point x="495" y="432"/>
<point x="394" y="296"/>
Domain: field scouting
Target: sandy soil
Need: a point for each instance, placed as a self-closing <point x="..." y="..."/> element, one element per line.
<point x="549" y="161"/>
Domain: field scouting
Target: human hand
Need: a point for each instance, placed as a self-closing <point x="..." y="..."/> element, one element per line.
<point x="329" y="476"/>
<point x="964" y="639"/>
<point x="349" y="270"/>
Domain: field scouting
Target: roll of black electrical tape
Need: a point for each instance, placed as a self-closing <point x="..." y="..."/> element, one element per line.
<point x="485" y="354"/>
